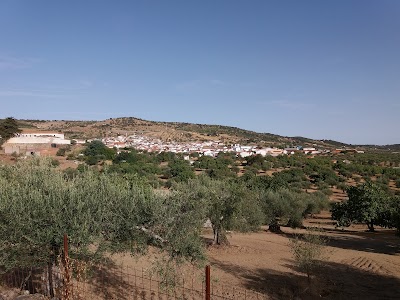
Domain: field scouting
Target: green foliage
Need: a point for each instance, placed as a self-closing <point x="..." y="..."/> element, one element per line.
<point x="216" y="168"/>
<point x="341" y="214"/>
<point x="92" y="160"/>
<point x="258" y="162"/>
<point x="96" y="151"/>
<point x="8" y="128"/>
<point x="38" y="204"/>
<point x="383" y="180"/>
<point x="61" y="151"/>
<point x="230" y="206"/>
<point x="368" y="203"/>
<point x="133" y="162"/>
<point x="368" y="165"/>
<point x="293" y="177"/>
<point x="166" y="156"/>
<point x="290" y="207"/>
<point x="375" y="159"/>
<point x="342" y="186"/>
<point x="226" y="158"/>
<point x="251" y="171"/>
<point x="180" y="170"/>
<point x="308" y="251"/>
<point x="54" y="162"/>
<point x="395" y="213"/>
<point x="205" y="162"/>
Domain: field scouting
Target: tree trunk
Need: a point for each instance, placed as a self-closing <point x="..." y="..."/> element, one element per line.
<point x="216" y="240"/>
<point x="219" y="236"/>
<point x="371" y="226"/>
<point x="50" y="278"/>
<point x="274" y="226"/>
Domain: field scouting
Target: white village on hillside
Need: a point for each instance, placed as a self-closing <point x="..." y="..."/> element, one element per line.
<point x="38" y="143"/>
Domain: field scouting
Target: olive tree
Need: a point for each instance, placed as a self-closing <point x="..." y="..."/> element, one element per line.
<point x="289" y="207"/>
<point x="229" y="205"/>
<point x="308" y="251"/>
<point x="100" y="212"/>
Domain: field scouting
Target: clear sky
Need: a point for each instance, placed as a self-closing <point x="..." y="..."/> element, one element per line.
<point x="320" y="69"/>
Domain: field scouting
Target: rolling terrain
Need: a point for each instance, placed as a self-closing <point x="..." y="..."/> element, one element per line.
<point x="179" y="132"/>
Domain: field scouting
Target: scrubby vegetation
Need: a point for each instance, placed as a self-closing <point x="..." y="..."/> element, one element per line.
<point x="285" y="195"/>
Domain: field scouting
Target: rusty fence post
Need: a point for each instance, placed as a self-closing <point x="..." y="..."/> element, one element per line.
<point x="67" y="275"/>
<point x="208" y="282"/>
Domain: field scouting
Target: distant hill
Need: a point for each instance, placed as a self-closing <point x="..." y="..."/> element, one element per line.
<point x="393" y="147"/>
<point x="181" y="132"/>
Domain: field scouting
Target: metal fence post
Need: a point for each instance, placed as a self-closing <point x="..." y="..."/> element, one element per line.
<point x="208" y="283"/>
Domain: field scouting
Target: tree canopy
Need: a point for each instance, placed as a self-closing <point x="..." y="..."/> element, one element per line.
<point x="8" y="128"/>
<point x="96" y="151"/>
<point x="368" y="203"/>
<point x="228" y="205"/>
<point x="39" y="204"/>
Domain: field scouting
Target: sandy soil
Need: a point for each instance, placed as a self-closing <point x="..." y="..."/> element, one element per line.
<point x="357" y="264"/>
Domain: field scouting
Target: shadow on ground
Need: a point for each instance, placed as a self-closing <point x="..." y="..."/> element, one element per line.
<point x="108" y="280"/>
<point x="333" y="281"/>
<point x="375" y="242"/>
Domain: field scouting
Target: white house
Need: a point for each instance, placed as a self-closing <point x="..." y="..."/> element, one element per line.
<point x="245" y="153"/>
<point x="263" y="151"/>
<point x="209" y="153"/>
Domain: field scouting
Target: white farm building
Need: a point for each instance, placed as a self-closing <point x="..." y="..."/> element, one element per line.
<point x="33" y="143"/>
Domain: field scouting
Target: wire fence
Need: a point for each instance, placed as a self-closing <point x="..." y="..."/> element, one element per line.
<point x="74" y="280"/>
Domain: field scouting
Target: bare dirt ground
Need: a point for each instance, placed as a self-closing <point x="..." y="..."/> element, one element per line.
<point x="6" y="159"/>
<point x="358" y="264"/>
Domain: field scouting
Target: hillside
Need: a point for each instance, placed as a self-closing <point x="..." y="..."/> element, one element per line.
<point x="180" y="132"/>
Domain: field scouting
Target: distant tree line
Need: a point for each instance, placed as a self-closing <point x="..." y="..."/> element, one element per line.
<point x="297" y="171"/>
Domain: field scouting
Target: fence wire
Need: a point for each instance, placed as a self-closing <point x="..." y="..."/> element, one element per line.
<point x="72" y="279"/>
<point x="119" y="283"/>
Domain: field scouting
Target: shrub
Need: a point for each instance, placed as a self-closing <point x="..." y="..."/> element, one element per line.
<point x="61" y="152"/>
<point x="308" y="251"/>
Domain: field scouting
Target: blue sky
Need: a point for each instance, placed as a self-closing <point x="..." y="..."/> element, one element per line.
<point x="320" y="69"/>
